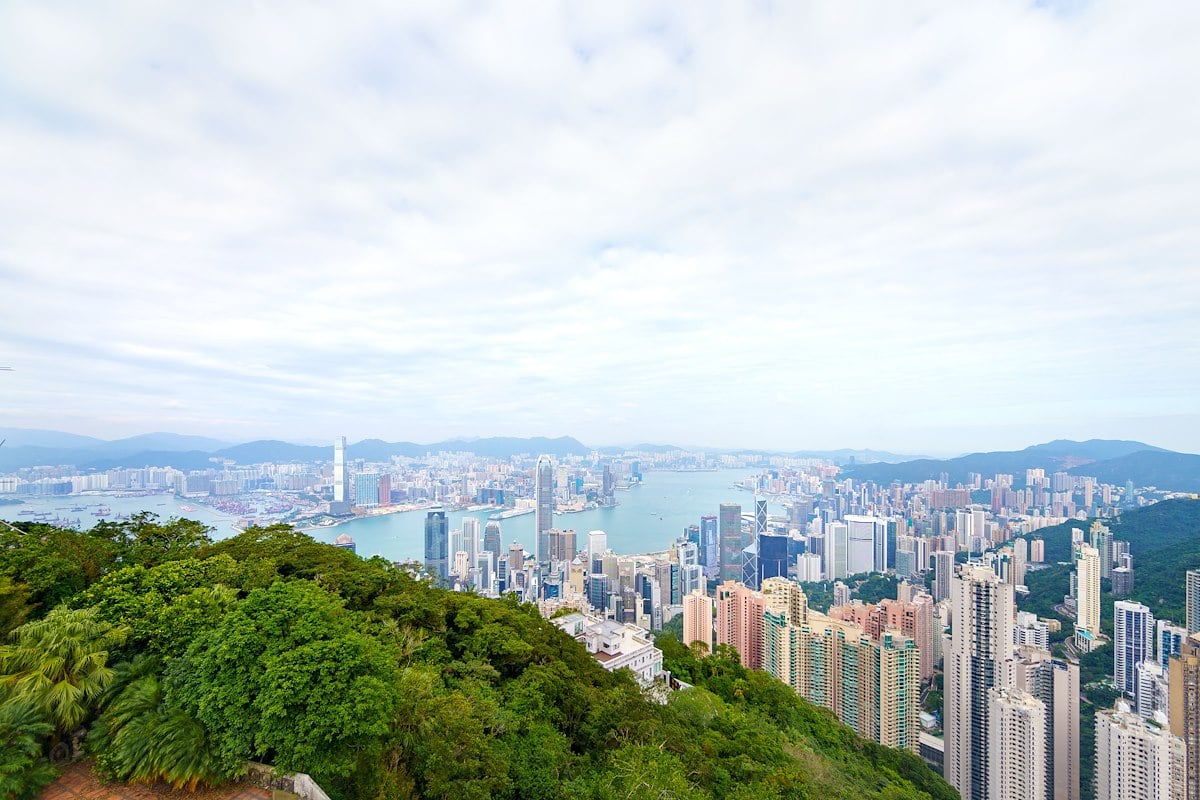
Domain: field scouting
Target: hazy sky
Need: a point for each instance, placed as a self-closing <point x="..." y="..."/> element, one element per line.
<point x="926" y="227"/>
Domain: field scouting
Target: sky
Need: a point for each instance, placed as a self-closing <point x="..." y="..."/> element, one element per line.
<point x="920" y="227"/>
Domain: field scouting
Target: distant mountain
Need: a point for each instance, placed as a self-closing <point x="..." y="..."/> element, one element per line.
<point x="272" y="450"/>
<point x="842" y="456"/>
<point x="33" y="437"/>
<point x="1163" y="469"/>
<point x="165" y="442"/>
<point x="1061" y="454"/>
<point x="184" y="460"/>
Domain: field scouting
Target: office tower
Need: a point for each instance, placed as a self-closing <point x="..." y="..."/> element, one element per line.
<point x="710" y="547"/>
<point x="491" y="539"/>
<point x="1087" y="582"/>
<point x="698" y="619"/>
<point x="341" y="479"/>
<point x="943" y="572"/>
<point x="1055" y="684"/>
<point x="837" y="543"/>
<point x="597" y="547"/>
<point x="1037" y="551"/>
<point x="808" y="568"/>
<point x="470" y="529"/>
<point x="345" y="542"/>
<point x="760" y="516"/>
<point x="730" y="535"/>
<point x="867" y="544"/>
<point x="1193" y="601"/>
<point x="437" y="546"/>
<point x="543" y="498"/>
<point x="1136" y="759"/>
<point x="560" y="545"/>
<point x="598" y="588"/>
<point x="980" y="642"/>
<point x="1184" y="700"/>
<point x="750" y="564"/>
<point x="1016" y="745"/>
<point x="516" y="561"/>
<point x="1151" y="689"/>
<point x="1133" y="642"/>
<point x="740" y="621"/>
<point x="1168" y="639"/>
<point x="455" y="543"/>
<point x="772" y="556"/>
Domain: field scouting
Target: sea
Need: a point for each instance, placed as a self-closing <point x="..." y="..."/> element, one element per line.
<point x="647" y="518"/>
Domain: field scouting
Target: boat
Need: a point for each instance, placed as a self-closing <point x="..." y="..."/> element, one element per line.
<point x="102" y="511"/>
<point x="186" y="508"/>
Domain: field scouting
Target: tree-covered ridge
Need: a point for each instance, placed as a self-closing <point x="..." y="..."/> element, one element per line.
<point x="189" y="658"/>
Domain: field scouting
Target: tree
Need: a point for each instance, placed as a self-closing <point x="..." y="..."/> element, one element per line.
<point x="60" y="663"/>
<point x="23" y="771"/>
<point x="288" y="675"/>
<point x="14" y="605"/>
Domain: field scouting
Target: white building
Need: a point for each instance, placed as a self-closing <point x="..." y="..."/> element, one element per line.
<point x="1031" y="631"/>
<point x="808" y="568"/>
<point x="1016" y="746"/>
<point x="1133" y="642"/>
<point x="615" y="645"/>
<point x="1137" y="759"/>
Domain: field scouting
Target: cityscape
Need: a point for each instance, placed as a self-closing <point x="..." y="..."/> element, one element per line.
<point x="607" y="400"/>
<point x="902" y="608"/>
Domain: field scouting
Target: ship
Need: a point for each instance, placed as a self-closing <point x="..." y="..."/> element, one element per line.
<point x="102" y="511"/>
<point x="512" y="512"/>
<point x="186" y="508"/>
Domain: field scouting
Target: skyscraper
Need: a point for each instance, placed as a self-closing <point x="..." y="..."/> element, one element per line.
<point x="980" y="641"/>
<point x="1133" y="642"/>
<point x="730" y="534"/>
<point x="837" y="545"/>
<point x="492" y="539"/>
<point x="1016" y="745"/>
<point x="543" y="493"/>
<point x="437" y="546"/>
<point x="740" y="621"/>
<point x="698" y="619"/>
<point x="1184" y="699"/>
<point x="943" y="571"/>
<point x="1087" y="582"/>
<point x="341" y="479"/>
<point x="1137" y="760"/>
<point x="597" y="547"/>
<point x="1193" y="601"/>
<point x="710" y="546"/>
<point x="1055" y="684"/>
<point x="470" y="529"/>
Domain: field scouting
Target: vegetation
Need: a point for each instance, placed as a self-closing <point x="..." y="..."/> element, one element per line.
<point x="184" y="658"/>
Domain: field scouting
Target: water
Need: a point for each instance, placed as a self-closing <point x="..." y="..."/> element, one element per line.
<point x="647" y="518"/>
<point x="165" y="505"/>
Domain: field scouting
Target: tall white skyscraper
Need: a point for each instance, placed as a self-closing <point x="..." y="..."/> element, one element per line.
<point x="837" y="540"/>
<point x="341" y="479"/>
<point x="943" y="571"/>
<point x="1133" y="642"/>
<point x="597" y="546"/>
<point x="979" y="643"/>
<point x="543" y="494"/>
<point x="1016" y="746"/>
<point x="1087" y="581"/>
<point x="1137" y="759"/>
<point x="868" y="544"/>
<point x="470" y="529"/>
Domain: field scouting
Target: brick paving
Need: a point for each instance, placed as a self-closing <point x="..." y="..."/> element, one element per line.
<point x="77" y="781"/>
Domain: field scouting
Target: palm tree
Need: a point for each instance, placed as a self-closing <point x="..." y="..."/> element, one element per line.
<point x="60" y="663"/>
<point x="139" y="738"/>
<point x="23" y="771"/>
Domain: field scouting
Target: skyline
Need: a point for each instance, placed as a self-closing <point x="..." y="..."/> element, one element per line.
<point x="924" y="230"/>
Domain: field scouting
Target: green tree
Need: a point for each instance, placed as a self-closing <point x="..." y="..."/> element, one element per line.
<point x="23" y="771"/>
<point x="287" y="675"/>
<point x="60" y="663"/>
<point x="15" y="605"/>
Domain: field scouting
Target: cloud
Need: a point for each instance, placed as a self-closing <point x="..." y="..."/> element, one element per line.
<point x="916" y="223"/>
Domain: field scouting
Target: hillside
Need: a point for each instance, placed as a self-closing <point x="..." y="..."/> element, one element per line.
<point x="1078" y="457"/>
<point x="1179" y="472"/>
<point x="274" y="647"/>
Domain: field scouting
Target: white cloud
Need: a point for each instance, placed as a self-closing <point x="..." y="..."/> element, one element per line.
<point x="923" y="227"/>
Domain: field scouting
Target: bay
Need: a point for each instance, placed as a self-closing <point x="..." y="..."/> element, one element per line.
<point x="647" y="518"/>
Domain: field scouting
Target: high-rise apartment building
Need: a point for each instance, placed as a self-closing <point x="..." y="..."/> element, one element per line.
<point x="1168" y="640"/>
<point x="1184" y="700"/>
<point x="437" y="546"/>
<point x="698" y="619"/>
<point x="730" y="535"/>
<point x="980" y="642"/>
<point x="869" y="683"/>
<point x="1101" y="539"/>
<point x="740" y="621"/>
<point x="1137" y="759"/>
<point x="1192" y="587"/>
<point x="1055" y="684"/>
<point x="943" y="571"/>
<point x="1087" y="587"/>
<point x="1133" y="642"/>
<point x="1016" y="745"/>
<point x="543" y="498"/>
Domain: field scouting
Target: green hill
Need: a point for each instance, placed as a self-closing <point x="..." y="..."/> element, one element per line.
<point x="189" y="658"/>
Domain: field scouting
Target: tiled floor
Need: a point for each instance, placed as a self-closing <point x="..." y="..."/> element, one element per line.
<point x="79" y="782"/>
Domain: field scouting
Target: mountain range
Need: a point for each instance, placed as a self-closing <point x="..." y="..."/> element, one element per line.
<point x="1109" y="460"/>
